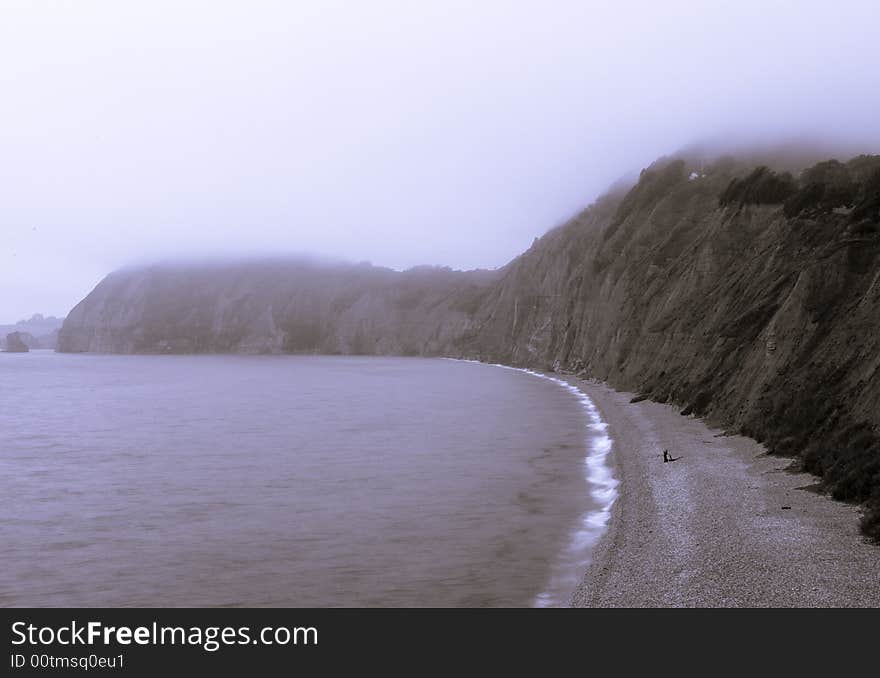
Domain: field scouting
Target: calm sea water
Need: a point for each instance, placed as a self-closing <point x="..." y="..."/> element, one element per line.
<point x="288" y="481"/>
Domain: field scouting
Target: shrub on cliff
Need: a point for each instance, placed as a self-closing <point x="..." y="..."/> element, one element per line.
<point x="849" y="462"/>
<point x="825" y="186"/>
<point x="806" y="198"/>
<point x="868" y="200"/>
<point x="762" y="186"/>
<point x="871" y="520"/>
<point x="828" y="172"/>
<point x="839" y="188"/>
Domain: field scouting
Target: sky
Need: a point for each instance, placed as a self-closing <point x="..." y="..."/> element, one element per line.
<point x="396" y="132"/>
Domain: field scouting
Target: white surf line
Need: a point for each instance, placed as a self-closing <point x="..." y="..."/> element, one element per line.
<point x="602" y="487"/>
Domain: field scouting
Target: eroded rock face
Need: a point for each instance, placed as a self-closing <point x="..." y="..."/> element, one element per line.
<point x="15" y="343"/>
<point x="289" y="306"/>
<point x="765" y="324"/>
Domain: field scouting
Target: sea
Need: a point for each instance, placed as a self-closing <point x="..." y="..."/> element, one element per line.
<point x="295" y="481"/>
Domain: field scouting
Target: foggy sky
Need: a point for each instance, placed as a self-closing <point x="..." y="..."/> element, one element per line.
<point x="397" y="132"/>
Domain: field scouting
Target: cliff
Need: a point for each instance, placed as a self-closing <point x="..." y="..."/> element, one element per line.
<point x="37" y="331"/>
<point x="749" y="296"/>
<point x="15" y="343"/>
<point x="282" y="306"/>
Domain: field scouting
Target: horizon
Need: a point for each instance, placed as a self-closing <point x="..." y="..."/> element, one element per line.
<point x="440" y="135"/>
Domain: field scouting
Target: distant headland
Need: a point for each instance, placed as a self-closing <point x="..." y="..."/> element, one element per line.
<point x="36" y="332"/>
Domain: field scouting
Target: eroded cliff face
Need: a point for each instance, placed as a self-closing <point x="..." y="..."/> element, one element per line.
<point x="273" y="307"/>
<point x="752" y="299"/>
<point x="765" y="324"/>
<point x="292" y="306"/>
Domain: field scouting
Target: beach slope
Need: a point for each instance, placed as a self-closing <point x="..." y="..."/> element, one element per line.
<point x="725" y="525"/>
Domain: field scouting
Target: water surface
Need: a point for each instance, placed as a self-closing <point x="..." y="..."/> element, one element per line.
<point x="284" y="480"/>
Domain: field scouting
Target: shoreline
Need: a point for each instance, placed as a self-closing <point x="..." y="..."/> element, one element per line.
<point x="727" y="525"/>
<point x="602" y="484"/>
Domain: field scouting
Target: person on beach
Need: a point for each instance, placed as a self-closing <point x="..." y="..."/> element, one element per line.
<point x="666" y="456"/>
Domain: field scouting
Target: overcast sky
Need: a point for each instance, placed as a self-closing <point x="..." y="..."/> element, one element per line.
<point x="397" y="132"/>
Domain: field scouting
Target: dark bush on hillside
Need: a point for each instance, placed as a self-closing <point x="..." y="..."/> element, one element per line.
<point x="827" y="185"/>
<point x="828" y="172"/>
<point x="871" y="187"/>
<point x="762" y="187"/>
<point x="868" y="200"/>
<point x="840" y="190"/>
<point x="839" y="196"/>
<point x="847" y="457"/>
<point x="862" y="167"/>
<point x="871" y="520"/>
<point x="848" y="461"/>
<point x="807" y="198"/>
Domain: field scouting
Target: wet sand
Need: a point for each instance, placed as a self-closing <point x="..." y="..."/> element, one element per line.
<point x="710" y="530"/>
